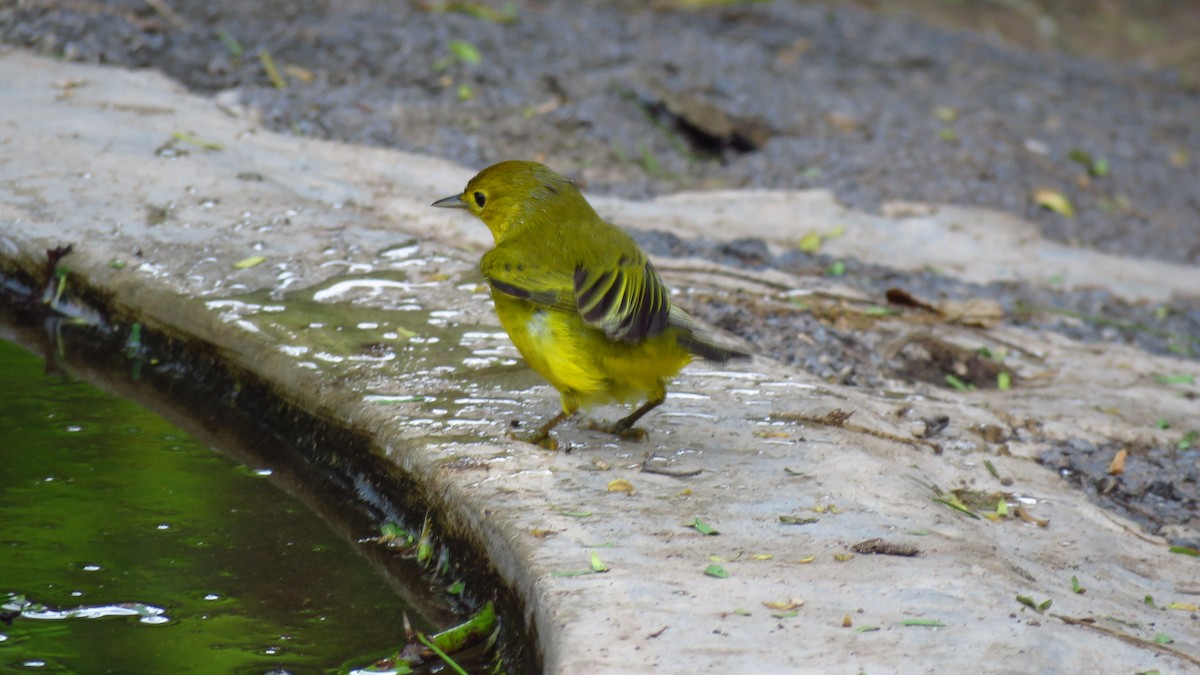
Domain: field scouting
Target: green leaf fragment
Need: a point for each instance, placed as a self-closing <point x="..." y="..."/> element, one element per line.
<point x="798" y="520"/>
<point x="245" y="263"/>
<point x="1076" y="586"/>
<point x="741" y="612"/>
<point x="441" y="654"/>
<point x="1163" y="639"/>
<point x="1004" y="380"/>
<point x="1162" y="423"/>
<point x="456" y="638"/>
<point x="392" y="530"/>
<point x="1184" y="550"/>
<point x="1080" y="157"/>
<point x="785" y="615"/>
<point x="837" y="269"/>
<point x="1175" y="379"/>
<point x="573" y="573"/>
<point x="717" y="571"/>
<point x="1189" y="439"/>
<point x="425" y="542"/>
<point x="597" y="564"/>
<point x="987" y="464"/>
<point x="456" y="588"/>
<point x="928" y="623"/>
<point x="1149" y="601"/>
<point x="810" y="242"/>
<point x="1038" y="607"/>
<point x="704" y="528"/>
<point x="955" y="382"/>
<point x="235" y="48"/>
<point x="954" y="503"/>
<point x="465" y="51"/>
<point x="135" y="337"/>
<point x="272" y="71"/>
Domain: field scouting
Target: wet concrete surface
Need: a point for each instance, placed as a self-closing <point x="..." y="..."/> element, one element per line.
<point x="875" y="108"/>
<point x="368" y="307"/>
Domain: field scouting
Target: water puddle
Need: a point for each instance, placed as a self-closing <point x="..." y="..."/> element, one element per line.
<point x="129" y="544"/>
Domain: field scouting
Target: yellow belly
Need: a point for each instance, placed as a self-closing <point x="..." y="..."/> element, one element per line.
<point x="583" y="364"/>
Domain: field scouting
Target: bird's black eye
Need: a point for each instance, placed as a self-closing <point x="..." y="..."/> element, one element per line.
<point x="480" y="199"/>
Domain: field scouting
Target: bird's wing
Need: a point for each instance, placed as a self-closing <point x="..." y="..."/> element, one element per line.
<point x="510" y="274"/>
<point x="626" y="299"/>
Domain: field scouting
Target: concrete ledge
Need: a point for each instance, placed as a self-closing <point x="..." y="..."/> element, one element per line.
<point x="411" y="353"/>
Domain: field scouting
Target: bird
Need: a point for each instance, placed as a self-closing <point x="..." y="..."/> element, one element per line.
<point x="578" y="297"/>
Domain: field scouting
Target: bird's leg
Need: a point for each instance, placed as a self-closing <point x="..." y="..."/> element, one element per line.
<point x="624" y="426"/>
<point x="542" y="435"/>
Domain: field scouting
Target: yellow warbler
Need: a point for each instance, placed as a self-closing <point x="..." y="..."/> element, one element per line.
<point x="578" y="296"/>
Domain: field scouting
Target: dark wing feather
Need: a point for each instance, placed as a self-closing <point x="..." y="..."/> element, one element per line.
<point x="627" y="301"/>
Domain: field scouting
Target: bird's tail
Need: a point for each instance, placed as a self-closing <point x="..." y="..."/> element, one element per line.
<point x="698" y="344"/>
<point x="708" y="350"/>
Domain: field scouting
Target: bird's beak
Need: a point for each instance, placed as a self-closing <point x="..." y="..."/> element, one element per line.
<point x="451" y="202"/>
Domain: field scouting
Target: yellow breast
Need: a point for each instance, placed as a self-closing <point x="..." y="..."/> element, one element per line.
<point x="580" y="360"/>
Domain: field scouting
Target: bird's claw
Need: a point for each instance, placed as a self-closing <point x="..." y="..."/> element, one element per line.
<point x="544" y="441"/>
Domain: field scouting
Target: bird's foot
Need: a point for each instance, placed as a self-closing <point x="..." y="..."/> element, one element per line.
<point x="538" y="438"/>
<point x="624" y="431"/>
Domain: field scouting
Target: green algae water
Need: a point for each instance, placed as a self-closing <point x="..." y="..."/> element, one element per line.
<point x="126" y="546"/>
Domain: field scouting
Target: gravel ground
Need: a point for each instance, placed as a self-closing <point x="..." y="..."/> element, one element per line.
<point x="782" y="94"/>
<point x="636" y="101"/>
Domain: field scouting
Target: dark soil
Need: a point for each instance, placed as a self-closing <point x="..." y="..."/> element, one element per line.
<point x="636" y="98"/>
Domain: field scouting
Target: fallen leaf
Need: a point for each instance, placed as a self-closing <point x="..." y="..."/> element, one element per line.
<point x="783" y="605"/>
<point x="810" y="242"/>
<point x="1027" y="517"/>
<point x="621" y="485"/>
<point x="249" y="262"/>
<point x="1055" y="201"/>
<point x="1117" y="466"/>
<point x="465" y="51"/>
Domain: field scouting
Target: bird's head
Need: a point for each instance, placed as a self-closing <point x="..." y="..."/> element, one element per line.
<point x="510" y="196"/>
